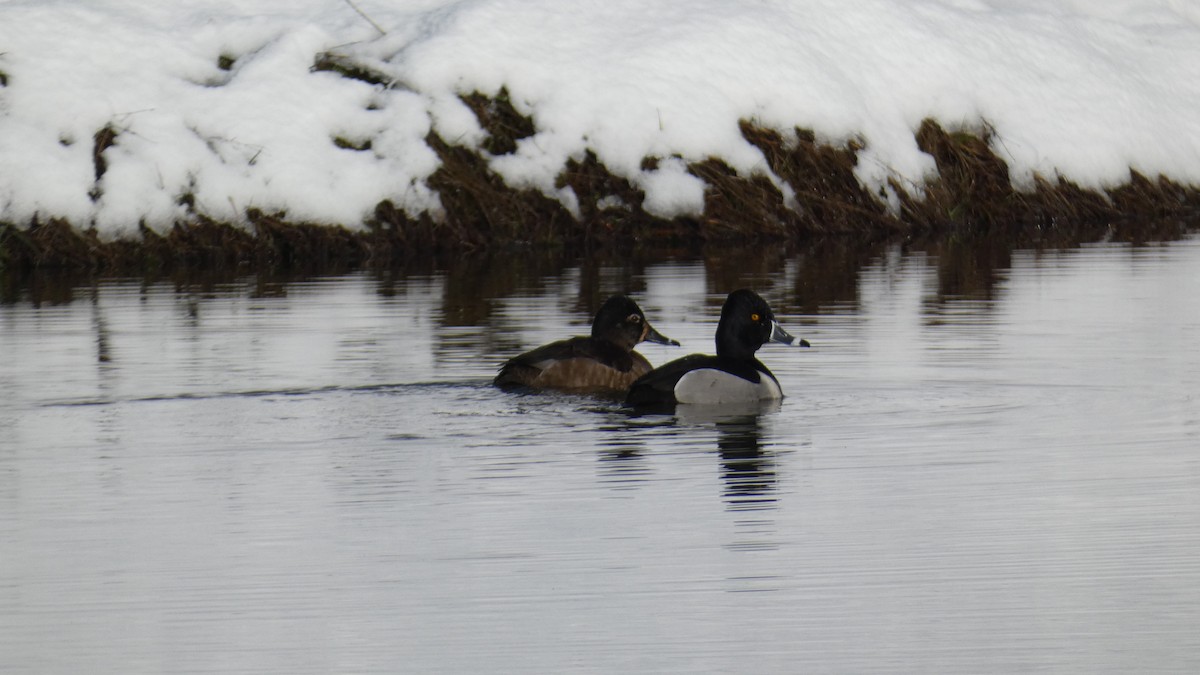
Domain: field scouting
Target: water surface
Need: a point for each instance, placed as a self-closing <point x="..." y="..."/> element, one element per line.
<point x="988" y="462"/>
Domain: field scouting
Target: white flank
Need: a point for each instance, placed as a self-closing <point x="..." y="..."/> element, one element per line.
<point x="708" y="386"/>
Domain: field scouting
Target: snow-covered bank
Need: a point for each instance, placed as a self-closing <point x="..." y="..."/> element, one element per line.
<point x="217" y="109"/>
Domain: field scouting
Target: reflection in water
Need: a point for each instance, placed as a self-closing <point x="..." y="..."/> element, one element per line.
<point x="626" y="439"/>
<point x="747" y="462"/>
<point x="103" y="339"/>
<point x="748" y="468"/>
<point x="967" y="270"/>
<point x="803" y="278"/>
<point x="746" y="458"/>
<point x="623" y="462"/>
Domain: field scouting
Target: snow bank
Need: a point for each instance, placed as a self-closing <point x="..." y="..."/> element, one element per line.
<point x="217" y="104"/>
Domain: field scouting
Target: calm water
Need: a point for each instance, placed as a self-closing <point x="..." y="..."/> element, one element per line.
<point x="989" y="461"/>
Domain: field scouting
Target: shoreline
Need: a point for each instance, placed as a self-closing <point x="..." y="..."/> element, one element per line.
<point x="971" y="196"/>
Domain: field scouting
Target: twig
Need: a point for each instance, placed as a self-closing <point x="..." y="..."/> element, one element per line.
<point x="364" y="15"/>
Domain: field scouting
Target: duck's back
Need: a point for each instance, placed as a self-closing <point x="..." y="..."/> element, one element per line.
<point x="580" y="363"/>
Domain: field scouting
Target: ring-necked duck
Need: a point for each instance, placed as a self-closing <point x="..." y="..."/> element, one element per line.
<point x="733" y="375"/>
<point x="602" y="362"/>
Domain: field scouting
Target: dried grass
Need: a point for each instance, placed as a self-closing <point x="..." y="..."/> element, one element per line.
<point x="829" y="198"/>
<point x="482" y="209"/>
<point x="497" y="116"/>
<point x="348" y="68"/>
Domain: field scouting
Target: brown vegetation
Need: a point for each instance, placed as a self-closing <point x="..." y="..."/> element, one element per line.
<point x="970" y="197"/>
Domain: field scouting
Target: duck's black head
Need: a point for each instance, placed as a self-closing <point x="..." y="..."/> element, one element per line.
<point x="621" y="322"/>
<point x="747" y="323"/>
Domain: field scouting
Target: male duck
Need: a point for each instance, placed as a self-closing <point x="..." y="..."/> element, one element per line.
<point x="733" y="375"/>
<point x="602" y="362"/>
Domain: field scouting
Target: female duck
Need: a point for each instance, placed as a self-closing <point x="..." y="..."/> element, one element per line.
<point x="602" y="362"/>
<point x="734" y="374"/>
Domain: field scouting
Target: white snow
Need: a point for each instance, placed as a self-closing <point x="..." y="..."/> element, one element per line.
<point x="1086" y="89"/>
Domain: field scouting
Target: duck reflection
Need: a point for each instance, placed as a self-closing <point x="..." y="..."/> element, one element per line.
<point x="623" y="464"/>
<point x="747" y="462"/>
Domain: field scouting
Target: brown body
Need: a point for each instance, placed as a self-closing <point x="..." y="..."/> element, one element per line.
<point x="603" y="362"/>
<point x="578" y="364"/>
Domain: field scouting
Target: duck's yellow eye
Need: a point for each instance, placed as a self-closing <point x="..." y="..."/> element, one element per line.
<point x="755" y="317"/>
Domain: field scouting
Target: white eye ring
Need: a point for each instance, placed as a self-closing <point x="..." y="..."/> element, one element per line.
<point x="634" y="318"/>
